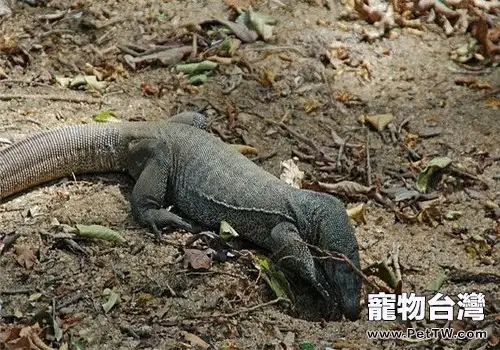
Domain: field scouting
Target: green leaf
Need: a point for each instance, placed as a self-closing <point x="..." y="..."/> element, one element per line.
<point x="198" y="79"/>
<point x="195" y="68"/>
<point x="260" y="24"/>
<point x="88" y="81"/>
<point x="307" y="346"/>
<point x="35" y="297"/>
<point x="425" y="175"/>
<point x="161" y="17"/>
<point x="228" y="47"/>
<point x="436" y="284"/>
<point x="383" y="271"/>
<point x="99" y="232"/>
<point x="77" y="345"/>
<point x="113" y="299"/>
<point x="63" y="81"/>
<point x="58" y="332"/>
<point x="226" y="232"/>
<point x="106" y="117"/>
<point x="273" y="277"/>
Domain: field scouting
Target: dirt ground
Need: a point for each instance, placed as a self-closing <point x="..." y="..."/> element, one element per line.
<point x="289" y="78"/>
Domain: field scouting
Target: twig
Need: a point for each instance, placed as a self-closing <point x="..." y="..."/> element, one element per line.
<point x="194" y="48"/>
<point x="298" y="136"/>
<point x="20" y="81"/>
<point x="302" y="155"/>
<point x="128" y="50"/>
<point x="339" y="141"/>
<point x="458" y="172"/>
<point x="403" y="124"/>
<point x="17" y="291"/>
<point x="57" y="31"/>
<point x="264" y="156"/>
<point x="341" y="257"/>
<point x="73" y="299"/>
<point x="368" y="163"/>
<point x="395" y="262"/>
<point x="244" y="310"/>
<point x="274" y="48"/>
<point x="8" y="97"/>
<point x="339" y="157"/>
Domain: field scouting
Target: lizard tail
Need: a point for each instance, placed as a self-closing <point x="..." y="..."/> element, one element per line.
<point x="55" y="154"/>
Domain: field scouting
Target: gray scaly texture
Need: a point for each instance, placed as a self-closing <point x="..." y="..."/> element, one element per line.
<point x="175" y="163"/>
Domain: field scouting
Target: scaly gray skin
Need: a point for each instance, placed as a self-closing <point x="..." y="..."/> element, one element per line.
<point x="177" y="164"/>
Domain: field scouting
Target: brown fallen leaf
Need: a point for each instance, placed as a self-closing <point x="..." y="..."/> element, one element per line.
<point x="26" y="338"/>
<point x="166" y="57"/>
<point x="267" y="77"/>
<point x="197" y="259"/>
<point x="493" y="103"/>
<point x="311" y="106"/>
<point x="489" y="38"/>
<point x="25" y="257"/>
<point x="148" y="89"/>
<point x="358" y="213"/>
<point x="342" y="188"/>
<point x="243" y="33"/>
<point x="473" y="83"/>
<point x="245" y="150"/>
<point x="195" y="341"/>
<point x="378" y="121"/>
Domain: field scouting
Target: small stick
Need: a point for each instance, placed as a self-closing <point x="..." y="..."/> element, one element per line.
<point x="274" y="48"/>
<point x="128" y="50"/>
<point x="339" y="141"/>
<point x="73" y="299"/>
<point x="18" y="291"/>
<point x="20" y="81"/>
<point x="298" y="136"/>
<point x="244" y="310"/>
<point x="194" y="49"/>
<point x="340" y="155"/>
<point x="345" y="259"/>
<point x="368" y="163"/>
<point x="8" y="97"/>
<point x="457" y="172"/>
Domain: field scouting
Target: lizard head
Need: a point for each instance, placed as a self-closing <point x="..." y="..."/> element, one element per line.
<point x="335" y="234"/>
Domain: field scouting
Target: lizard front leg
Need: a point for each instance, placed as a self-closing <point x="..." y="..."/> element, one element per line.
<point x="292" y="255"/>
<point x="148" y="163"/>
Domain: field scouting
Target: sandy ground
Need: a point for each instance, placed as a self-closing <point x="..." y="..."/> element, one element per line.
<point x="165" y="306"/>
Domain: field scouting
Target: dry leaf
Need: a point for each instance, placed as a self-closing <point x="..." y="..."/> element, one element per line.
<point x="25" y="257"/>
<point x="243" y="33"/>
<point x="487" y="37"/>
<point x="245" y="150"/>
<point x="379" y="121"/>
<point x="358" y="213"/>
<point x="342" y="188"/>
<point x="26" y="338"/>
<point x="493" y="103"/>
<point x="197" y="259"/>
<point x="148" y="89"/>
<point x="291" y="174"/>
<point x="195" y="341"/>
<point x="311" y="106"/>
<point x="267" y="78"/>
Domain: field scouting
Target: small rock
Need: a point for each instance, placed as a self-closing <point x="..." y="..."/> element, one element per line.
<point x="430" y="131"/>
